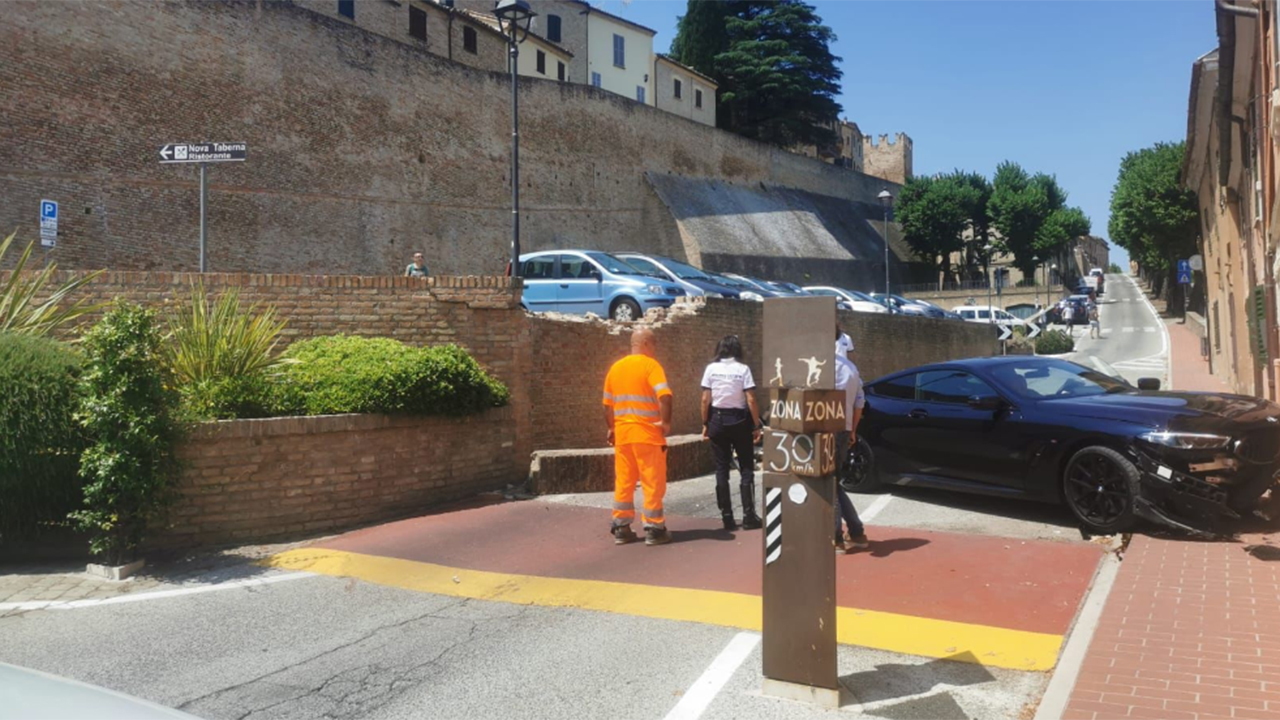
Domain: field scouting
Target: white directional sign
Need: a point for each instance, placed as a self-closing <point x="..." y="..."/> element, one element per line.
<point x="205" y="152"/>
<point x="1006" y="332"/>
<point x="48" y="223"/>
<point x="1033" y="331"/>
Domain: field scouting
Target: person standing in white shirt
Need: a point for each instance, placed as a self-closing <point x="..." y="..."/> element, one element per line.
<point x="731" y="421"/>
<point x="850" y="380"/>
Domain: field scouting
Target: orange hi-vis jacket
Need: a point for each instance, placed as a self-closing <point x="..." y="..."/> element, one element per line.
<point x="632" y="389"/>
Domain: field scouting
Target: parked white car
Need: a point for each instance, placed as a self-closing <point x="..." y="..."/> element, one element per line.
<point x="854" y="299"/>
<point x="987" y="314"/>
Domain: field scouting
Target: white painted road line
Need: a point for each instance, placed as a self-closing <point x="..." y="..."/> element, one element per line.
<point x="875" y="508"/>
<point x="158" y="595"/>
<point x="1128" y="329"/>
<point x="706" y="687"/>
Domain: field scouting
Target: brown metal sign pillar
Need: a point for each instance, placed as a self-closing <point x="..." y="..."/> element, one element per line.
<point x="799" y="645"/>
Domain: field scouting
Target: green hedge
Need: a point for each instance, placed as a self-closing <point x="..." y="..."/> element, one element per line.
<point x="40" y="442"/>
<point x="344" y="374"/>
<point x="1054" y="342"/>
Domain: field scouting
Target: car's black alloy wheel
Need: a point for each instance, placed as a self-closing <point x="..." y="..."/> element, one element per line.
<point x="858" y="473"/>
<point x="1100" y="486"/>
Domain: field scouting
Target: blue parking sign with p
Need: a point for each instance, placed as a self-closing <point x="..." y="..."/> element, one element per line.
<point x="1184" y="272"/>
<point x="48" y="210"/>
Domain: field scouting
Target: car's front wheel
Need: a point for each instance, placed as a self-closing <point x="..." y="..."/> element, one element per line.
<point x="626" y="310"/>
<point x="857" y="472"/>
<point x="1101" y="487"/>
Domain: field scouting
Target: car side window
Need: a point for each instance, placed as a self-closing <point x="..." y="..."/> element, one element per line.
<point x="953" y="387"/>
<point x="900" y="388"/>
<point x="573" y="267"/>
<point x="539" y="268"/>
<point x="823" y="291"/>
<point x="645" y="266"/>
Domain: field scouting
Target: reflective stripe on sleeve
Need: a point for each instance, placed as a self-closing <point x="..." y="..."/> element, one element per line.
<point x="660" y="387"/>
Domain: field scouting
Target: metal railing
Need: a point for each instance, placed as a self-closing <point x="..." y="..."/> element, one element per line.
<point x="963" y="286"/>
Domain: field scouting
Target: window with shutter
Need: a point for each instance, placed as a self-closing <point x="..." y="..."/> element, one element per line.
<point x="697" y="99"/>
<point x="677" y="88"/>
<point x="560" y="71"/>
<point x="542" y="63"/>
<point x="417" y="23"/>
<point x="619" y="51"/>
<point x="553" y="28"/>
<point x="469" y="40"/>
<point x="347" y="8"/>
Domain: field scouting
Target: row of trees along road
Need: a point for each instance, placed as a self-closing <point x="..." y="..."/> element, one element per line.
<point x="772" y="59"/>
<point x="1153" y="217"/>
<point x="1015" y="212"/>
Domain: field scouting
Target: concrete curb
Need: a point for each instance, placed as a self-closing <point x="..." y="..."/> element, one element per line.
<point x="1054" y="702"/>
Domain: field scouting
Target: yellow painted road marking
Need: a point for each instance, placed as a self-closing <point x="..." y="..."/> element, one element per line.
<point x="927" y="637"/>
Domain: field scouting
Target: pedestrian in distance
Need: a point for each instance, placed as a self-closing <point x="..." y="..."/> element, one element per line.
<point x="731" y="421"/>
<point x="637" y="414"/>
<point x="850" y="380"/>
<point x="1068" y="317"/>
<point x="1095" y="322"/>
<point x="417" y="268"/>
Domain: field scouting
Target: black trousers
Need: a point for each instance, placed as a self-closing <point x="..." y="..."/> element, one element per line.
<point x="731" y="433"/>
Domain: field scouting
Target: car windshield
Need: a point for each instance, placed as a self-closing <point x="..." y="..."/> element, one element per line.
<point x="1040" y="379"/>
<point x="862" y="296"/>
<point x="682" y="271"/>
<point x="617" y="266"/>
<point x="729" y="282"/>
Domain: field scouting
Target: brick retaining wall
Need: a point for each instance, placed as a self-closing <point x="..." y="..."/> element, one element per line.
<point x="258" y="480"/>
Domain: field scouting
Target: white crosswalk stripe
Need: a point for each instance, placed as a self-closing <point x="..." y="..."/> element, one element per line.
<point x="1128" y="329"/>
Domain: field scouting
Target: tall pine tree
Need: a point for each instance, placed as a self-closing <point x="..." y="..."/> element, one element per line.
<point x="772" y="59"/>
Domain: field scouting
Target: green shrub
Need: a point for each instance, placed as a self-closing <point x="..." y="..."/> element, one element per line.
<point x="221" y="356"/>
<point x="21" y="313"/>
<point x="40" y="442"/>
<point x="344" y="374"/>
<point x="127" y="410"/>
<point x="1054" y="342"/>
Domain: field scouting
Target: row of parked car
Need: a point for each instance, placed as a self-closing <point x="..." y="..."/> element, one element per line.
<point x="623" y="286"/>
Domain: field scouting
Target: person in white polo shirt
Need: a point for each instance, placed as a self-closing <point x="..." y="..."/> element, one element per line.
<point x="731" y="421"/>
<point x="850" y="380"/>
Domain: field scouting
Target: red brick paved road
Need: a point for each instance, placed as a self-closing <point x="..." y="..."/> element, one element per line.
<point x="1191" y="630"/>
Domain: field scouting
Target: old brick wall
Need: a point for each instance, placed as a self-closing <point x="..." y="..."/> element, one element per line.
<point x="361" y="148"/>
<point x="258" y="480"/>
<point x="888" y="158"/>
<point x="570" y="359"/>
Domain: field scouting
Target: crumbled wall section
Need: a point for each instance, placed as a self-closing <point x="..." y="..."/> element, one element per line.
<point x="259" y="480"/>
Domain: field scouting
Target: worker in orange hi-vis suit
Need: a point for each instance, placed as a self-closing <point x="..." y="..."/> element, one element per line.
<point x="637" y="411"/>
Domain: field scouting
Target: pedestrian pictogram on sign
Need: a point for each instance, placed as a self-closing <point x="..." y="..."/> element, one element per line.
<point x="1184" y="272"/>
<point x="48" y="223"/>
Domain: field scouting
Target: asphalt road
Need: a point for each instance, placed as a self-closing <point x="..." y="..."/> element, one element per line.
<point x="1134" y="339"/>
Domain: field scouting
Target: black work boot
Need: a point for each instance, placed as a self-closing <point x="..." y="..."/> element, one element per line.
<point x="750" y="521"/>
<point x="656" y="536"/>
<point x="725" y="501"/>
<point x="623" y="534"/>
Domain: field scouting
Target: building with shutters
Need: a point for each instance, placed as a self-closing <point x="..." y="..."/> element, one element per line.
<point x="684" y="91"/>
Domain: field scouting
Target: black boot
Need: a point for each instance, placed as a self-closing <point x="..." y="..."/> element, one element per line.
<point x="750" y="521"/>
<point x="725" y="501"/>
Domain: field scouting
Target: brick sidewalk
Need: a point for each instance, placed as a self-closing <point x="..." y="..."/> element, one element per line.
<point x="1191" y="630"/>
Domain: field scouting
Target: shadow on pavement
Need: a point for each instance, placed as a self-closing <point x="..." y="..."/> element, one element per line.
<point x="679" y="536"/>
<point x="895" y="680"/>
<point x="885" y="548"/>
<point x="1267" y="553"/>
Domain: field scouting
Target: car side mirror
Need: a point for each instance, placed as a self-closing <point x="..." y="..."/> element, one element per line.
<point x="985" y="402"/>
<point x="1148" y="383"/>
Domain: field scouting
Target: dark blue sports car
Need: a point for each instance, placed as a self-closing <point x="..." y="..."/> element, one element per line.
<point x="1052" y="430"/>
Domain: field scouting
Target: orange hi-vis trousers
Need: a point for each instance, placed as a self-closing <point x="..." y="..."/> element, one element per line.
<point x="646" y="464"/>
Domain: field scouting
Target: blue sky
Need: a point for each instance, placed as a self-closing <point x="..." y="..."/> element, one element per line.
<point x="1061" y="87"/>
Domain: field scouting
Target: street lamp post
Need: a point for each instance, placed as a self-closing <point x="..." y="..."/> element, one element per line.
<point x="986" y="249"/>
<point x="1035" y="282"/>
<point x="514" y="18"/>
<point x="886" y="199"/>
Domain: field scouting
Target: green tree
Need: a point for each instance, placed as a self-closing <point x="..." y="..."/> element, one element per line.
<point x="1031" y="215"/>
<point x="778" y="79"/>
<point x="934" y="213"/>
<point x="1152" y="215"/>
<point x="977" y="202"/>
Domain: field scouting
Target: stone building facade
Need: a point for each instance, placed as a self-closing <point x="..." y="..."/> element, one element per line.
<point x="683" y="91"/>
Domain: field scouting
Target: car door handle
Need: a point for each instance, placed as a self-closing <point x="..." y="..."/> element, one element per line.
<point x="918" y="414"/>
<point x="564" y="285"/>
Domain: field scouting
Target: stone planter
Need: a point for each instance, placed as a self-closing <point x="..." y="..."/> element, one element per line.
<point x="115" y="572"/>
